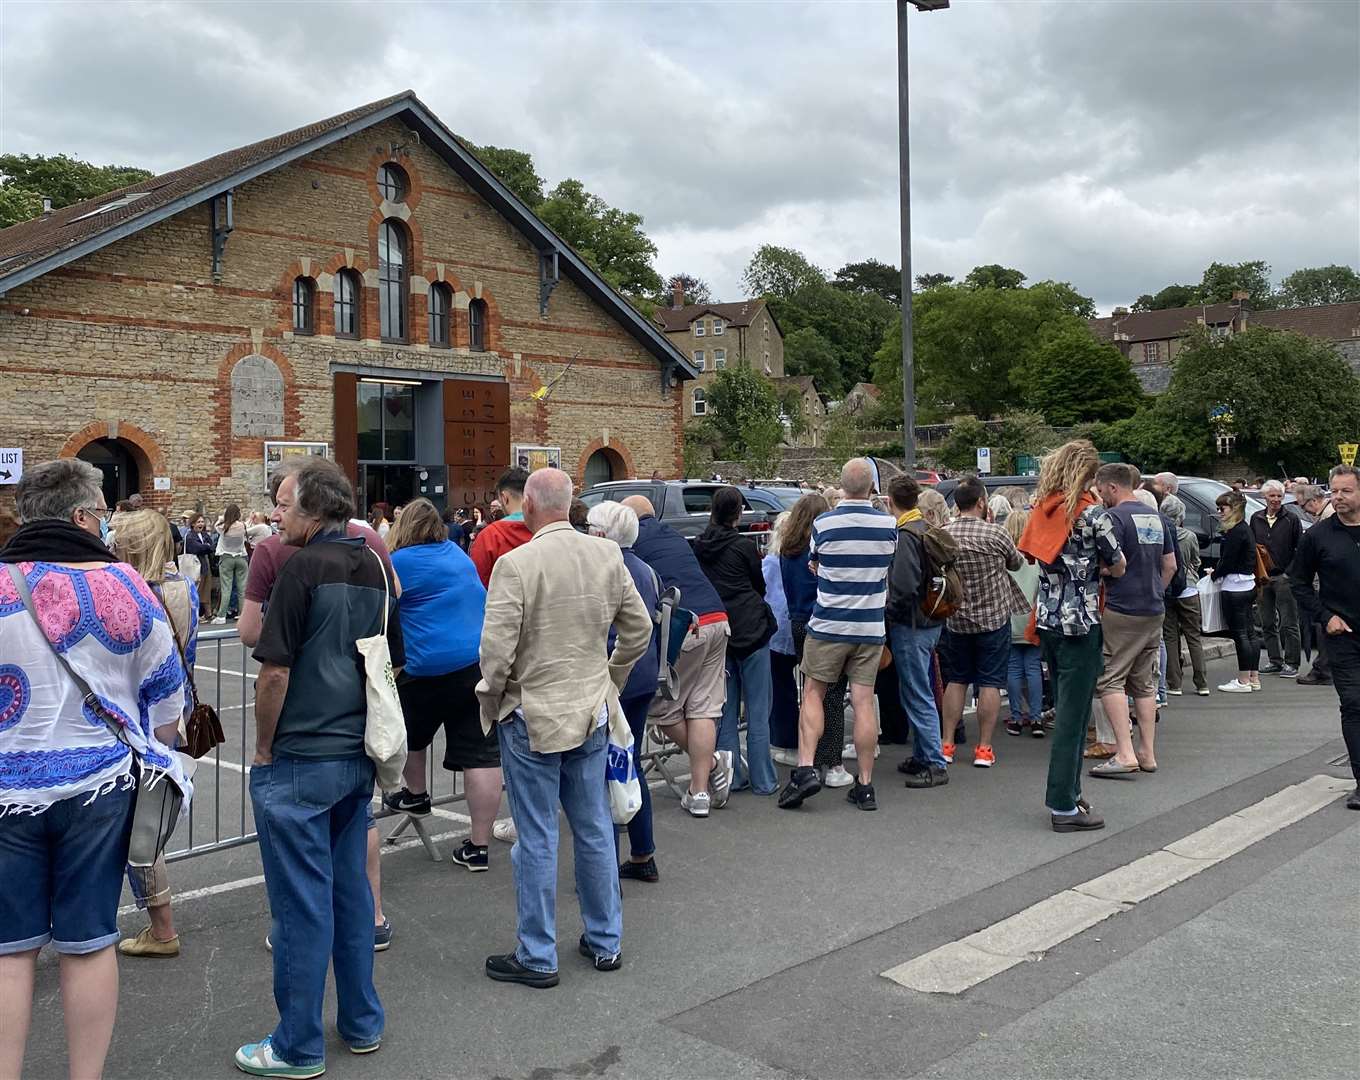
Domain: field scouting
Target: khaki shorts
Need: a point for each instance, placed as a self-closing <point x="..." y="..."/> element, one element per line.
<point x="701" y="679"/>
<point x="827" y="661"/>
<point x="1131" y="645"/>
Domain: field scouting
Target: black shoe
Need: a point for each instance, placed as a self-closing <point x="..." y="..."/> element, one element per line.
<point x="912" y="767"/>
<point x="472" y="857"/>
<point x="1014" y="727"/>
<point x="1036" y="729"/>
<point x="403" y="802"/>
<point x="640" y="871"/>
<point x="1271" y="668"/>
<point x="508" y="969"/>
<point x="602" y="963"/>
<point x="1353" y="803"/>
<point x="960" y="735"/>
<point x="862" y="795"/>
<point x="1314" y="679"/>
<point x="1082" y="821"/>
<point x="930" y="777"/>
<point x="803" y="784"/>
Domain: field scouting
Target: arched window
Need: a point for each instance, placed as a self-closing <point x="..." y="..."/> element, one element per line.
<point x="347" y="304"/>
<point x="392" y="183"/>
<point x="392" y="281"/>
<point x="441" y="303"/>
<point x="304" y="305"/>
<point x="700" y="402"/>
<point x="477" y="326"/>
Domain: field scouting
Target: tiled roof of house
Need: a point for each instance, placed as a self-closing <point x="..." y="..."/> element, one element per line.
<point x="1160" y="325"/>
<point x="865" y="389"/>
<point x="1335" y="322"/>
<point x="803" y="383"/>
<point x="738" y="314"/>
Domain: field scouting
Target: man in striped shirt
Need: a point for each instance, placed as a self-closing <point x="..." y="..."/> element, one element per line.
<point x="852" y="548"/>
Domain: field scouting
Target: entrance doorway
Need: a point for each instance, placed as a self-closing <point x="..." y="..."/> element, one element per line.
<point x="111" y="457"/>
<point x="395" y="485"/>
<point x="600" y="468"/>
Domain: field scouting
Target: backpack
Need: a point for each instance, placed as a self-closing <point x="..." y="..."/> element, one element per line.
<point x="941" y="585"/>
<point x="675" y="624"/>
<point x="1264" y="565"/>
<point x="1178" y="582"/>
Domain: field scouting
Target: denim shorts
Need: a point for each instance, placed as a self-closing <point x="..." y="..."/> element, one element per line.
<point x="63" y="874"/>
<point x="976" y="659"/>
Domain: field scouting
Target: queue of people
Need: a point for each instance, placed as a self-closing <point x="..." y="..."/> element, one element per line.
<point x="537" y="648"/>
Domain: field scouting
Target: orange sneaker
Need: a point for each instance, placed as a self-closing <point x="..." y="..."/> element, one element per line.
<point x="984" y="757"/>
<point x="948" y="751"/>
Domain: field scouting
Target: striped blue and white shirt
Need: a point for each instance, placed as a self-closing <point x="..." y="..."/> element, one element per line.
<point x="852" y="546"/>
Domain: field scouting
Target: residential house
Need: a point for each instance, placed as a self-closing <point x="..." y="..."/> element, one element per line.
<point x="811" y="409"/>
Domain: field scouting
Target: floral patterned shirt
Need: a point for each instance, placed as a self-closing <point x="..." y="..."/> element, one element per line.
<point x="1069" y="590"/>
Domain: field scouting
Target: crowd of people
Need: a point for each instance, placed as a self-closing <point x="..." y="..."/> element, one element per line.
<point x="533" y="636"/>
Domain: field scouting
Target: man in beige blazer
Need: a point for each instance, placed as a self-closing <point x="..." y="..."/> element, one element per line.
<point x="550" y="685"/>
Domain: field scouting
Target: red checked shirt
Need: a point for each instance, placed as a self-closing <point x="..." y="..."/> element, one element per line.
<point x="990" y="596"/>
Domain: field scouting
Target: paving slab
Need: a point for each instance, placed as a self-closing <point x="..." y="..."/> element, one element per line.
<point x="1223" y="838"/>
<point x="1043" y="925"/>
<point x="950" y="969"/>
<point x="1142" y="878"/>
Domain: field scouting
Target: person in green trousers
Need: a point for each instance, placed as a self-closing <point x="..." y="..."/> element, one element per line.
<point x="1072" y="538"/>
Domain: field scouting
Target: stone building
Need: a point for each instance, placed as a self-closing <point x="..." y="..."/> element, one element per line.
<point x="712" y="336"/>
<point x="811" y="409"/>
<point x="1151" y="339"/>
<point x="361" y="287"/>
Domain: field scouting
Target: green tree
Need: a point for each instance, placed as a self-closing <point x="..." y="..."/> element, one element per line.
<point x="994" y="276"/>
<point x="1173" y="296"/>
<point x="779" y="272"/>
<point x="933" y="281"/>
<point x="1068" y="377"/>
<point x="1016" y="433"/>
<point x="743" y="412"/>
<point x="1319" y="285"/>
<point x="694" y="290"/>
<point x="514" y="169"/>
<point x="853" y="324"/>
<point x="806" y="352"/>
<point x="870" y="276"/>
<point x="1158" y="436"/>
<point x="1066" y="297"/>
<point x="966" y="343"/>
<point x="65" y="180"/>
<point x="1221" y="280"/>
<point x="1287" y="397"/>
<point x="611" y="240"/>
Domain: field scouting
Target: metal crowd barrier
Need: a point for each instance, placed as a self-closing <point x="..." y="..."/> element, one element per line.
<point x="218" y="819"/>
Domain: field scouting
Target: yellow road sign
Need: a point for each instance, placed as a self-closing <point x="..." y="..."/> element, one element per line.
<point x="1348" y="450"/>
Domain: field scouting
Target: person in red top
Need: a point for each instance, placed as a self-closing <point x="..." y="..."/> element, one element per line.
<point x="508" y="532"/>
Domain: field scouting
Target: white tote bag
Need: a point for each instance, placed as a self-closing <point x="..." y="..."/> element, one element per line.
<point x="625" y="789"/>
<point x="385" y="727"/>
<point x="1211" y="619"/>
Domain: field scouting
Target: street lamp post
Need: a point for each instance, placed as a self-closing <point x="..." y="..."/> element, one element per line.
<point x="904" y="167"/>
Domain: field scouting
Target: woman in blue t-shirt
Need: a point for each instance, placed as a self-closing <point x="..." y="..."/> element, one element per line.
<point x="441" y="610"/>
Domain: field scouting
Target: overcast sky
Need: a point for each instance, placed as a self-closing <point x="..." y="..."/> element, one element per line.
<point x="1117" y="145"/>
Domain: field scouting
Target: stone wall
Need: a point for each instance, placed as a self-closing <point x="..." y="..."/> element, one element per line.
<point x="138" y="342"/>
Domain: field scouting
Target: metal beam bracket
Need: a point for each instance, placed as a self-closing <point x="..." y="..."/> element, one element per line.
<point x="667" y="377"/>
<point x="222" y="224"/>
<point x="548" y="277"/>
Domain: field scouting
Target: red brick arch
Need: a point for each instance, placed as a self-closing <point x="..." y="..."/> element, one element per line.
<point x="227" y="447"/>
<point x="458" y="327"/>
<point x="415" y="184"/>
<point x="493" y="319"/>
<point x="417" y="311"/>
<point x="621" y="459"/>
<point x="143" y="447"/>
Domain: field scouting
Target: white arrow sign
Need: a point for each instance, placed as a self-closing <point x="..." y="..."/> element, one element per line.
<point x="11" y="464"/>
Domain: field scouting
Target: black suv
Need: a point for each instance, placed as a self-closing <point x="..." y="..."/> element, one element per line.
<point x="684" y="505"/>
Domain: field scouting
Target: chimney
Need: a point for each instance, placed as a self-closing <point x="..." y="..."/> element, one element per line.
<point x="677" y="294"/>
<point x="47" y="205"/>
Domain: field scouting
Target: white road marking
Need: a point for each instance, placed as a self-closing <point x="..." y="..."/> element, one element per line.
<point x="1028" y="934"/>
<point x="225" y="671"/>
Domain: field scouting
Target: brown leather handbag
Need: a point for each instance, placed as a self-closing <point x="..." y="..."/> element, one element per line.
<point x="203" y="729"/>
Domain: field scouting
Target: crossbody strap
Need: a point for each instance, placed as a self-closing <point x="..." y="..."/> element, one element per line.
<point x="387" y="595"/>
<point x="89" y="697"/>
<point x="179" y="646"/>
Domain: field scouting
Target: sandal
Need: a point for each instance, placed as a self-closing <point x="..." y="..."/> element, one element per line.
<point x="1098" y="750"/>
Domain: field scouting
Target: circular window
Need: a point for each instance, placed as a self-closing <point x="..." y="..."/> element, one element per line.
<point x="392" y="183"/>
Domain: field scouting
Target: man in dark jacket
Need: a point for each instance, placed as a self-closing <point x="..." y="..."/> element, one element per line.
<point x="913" y="636"/>
<point x="1279" y="532"/>
<point x="691" y="720"/>
<point x="732" y="564"/>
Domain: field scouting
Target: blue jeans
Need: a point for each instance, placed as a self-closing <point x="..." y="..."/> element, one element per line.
<point x="640" y="840"/>
<point x="312" y="817"/>
<point x="749" y="679"/>
<point x="1025" y="679"/>
<point x="535" y="783"/>
<point x="911" y="649"/>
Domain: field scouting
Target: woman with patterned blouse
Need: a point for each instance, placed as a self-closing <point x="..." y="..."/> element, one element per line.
<point x="66" y="782"/>
<point x="1071" y="537"/>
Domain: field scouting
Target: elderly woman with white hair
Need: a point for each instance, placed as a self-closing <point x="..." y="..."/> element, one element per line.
<point x="619" y="523"/>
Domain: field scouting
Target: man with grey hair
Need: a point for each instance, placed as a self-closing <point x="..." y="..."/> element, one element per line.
<point x="1278" y="531"/>
<point x="549" y="688"/>
<point x="851" y="549"/>
<point x="311" y="782"/>
<point x="1164" y="484"/>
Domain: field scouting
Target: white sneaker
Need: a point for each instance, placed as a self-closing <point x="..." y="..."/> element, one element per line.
<point x="1235" y="687"/>
<point x="1203" y="693"/>
<point x="781" y="756"/>
<point x="220" y="621"/>
<point x="720" y="779"/>
<point x="836" y="776"/>
<point x="849" y="752"/>
<point x="697" y="803"/>
<point x="505" y="830"/>
<point x="1175" y="693"/>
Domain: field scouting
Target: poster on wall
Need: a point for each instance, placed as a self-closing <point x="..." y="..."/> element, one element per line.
<point x="536" y="457"/>
<point x="276" y="452"/>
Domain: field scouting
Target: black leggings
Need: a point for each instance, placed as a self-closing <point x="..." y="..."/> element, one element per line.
<point x="1237" y="612"/>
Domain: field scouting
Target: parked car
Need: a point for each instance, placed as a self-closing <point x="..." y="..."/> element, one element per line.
<point x="685" y="504"/>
